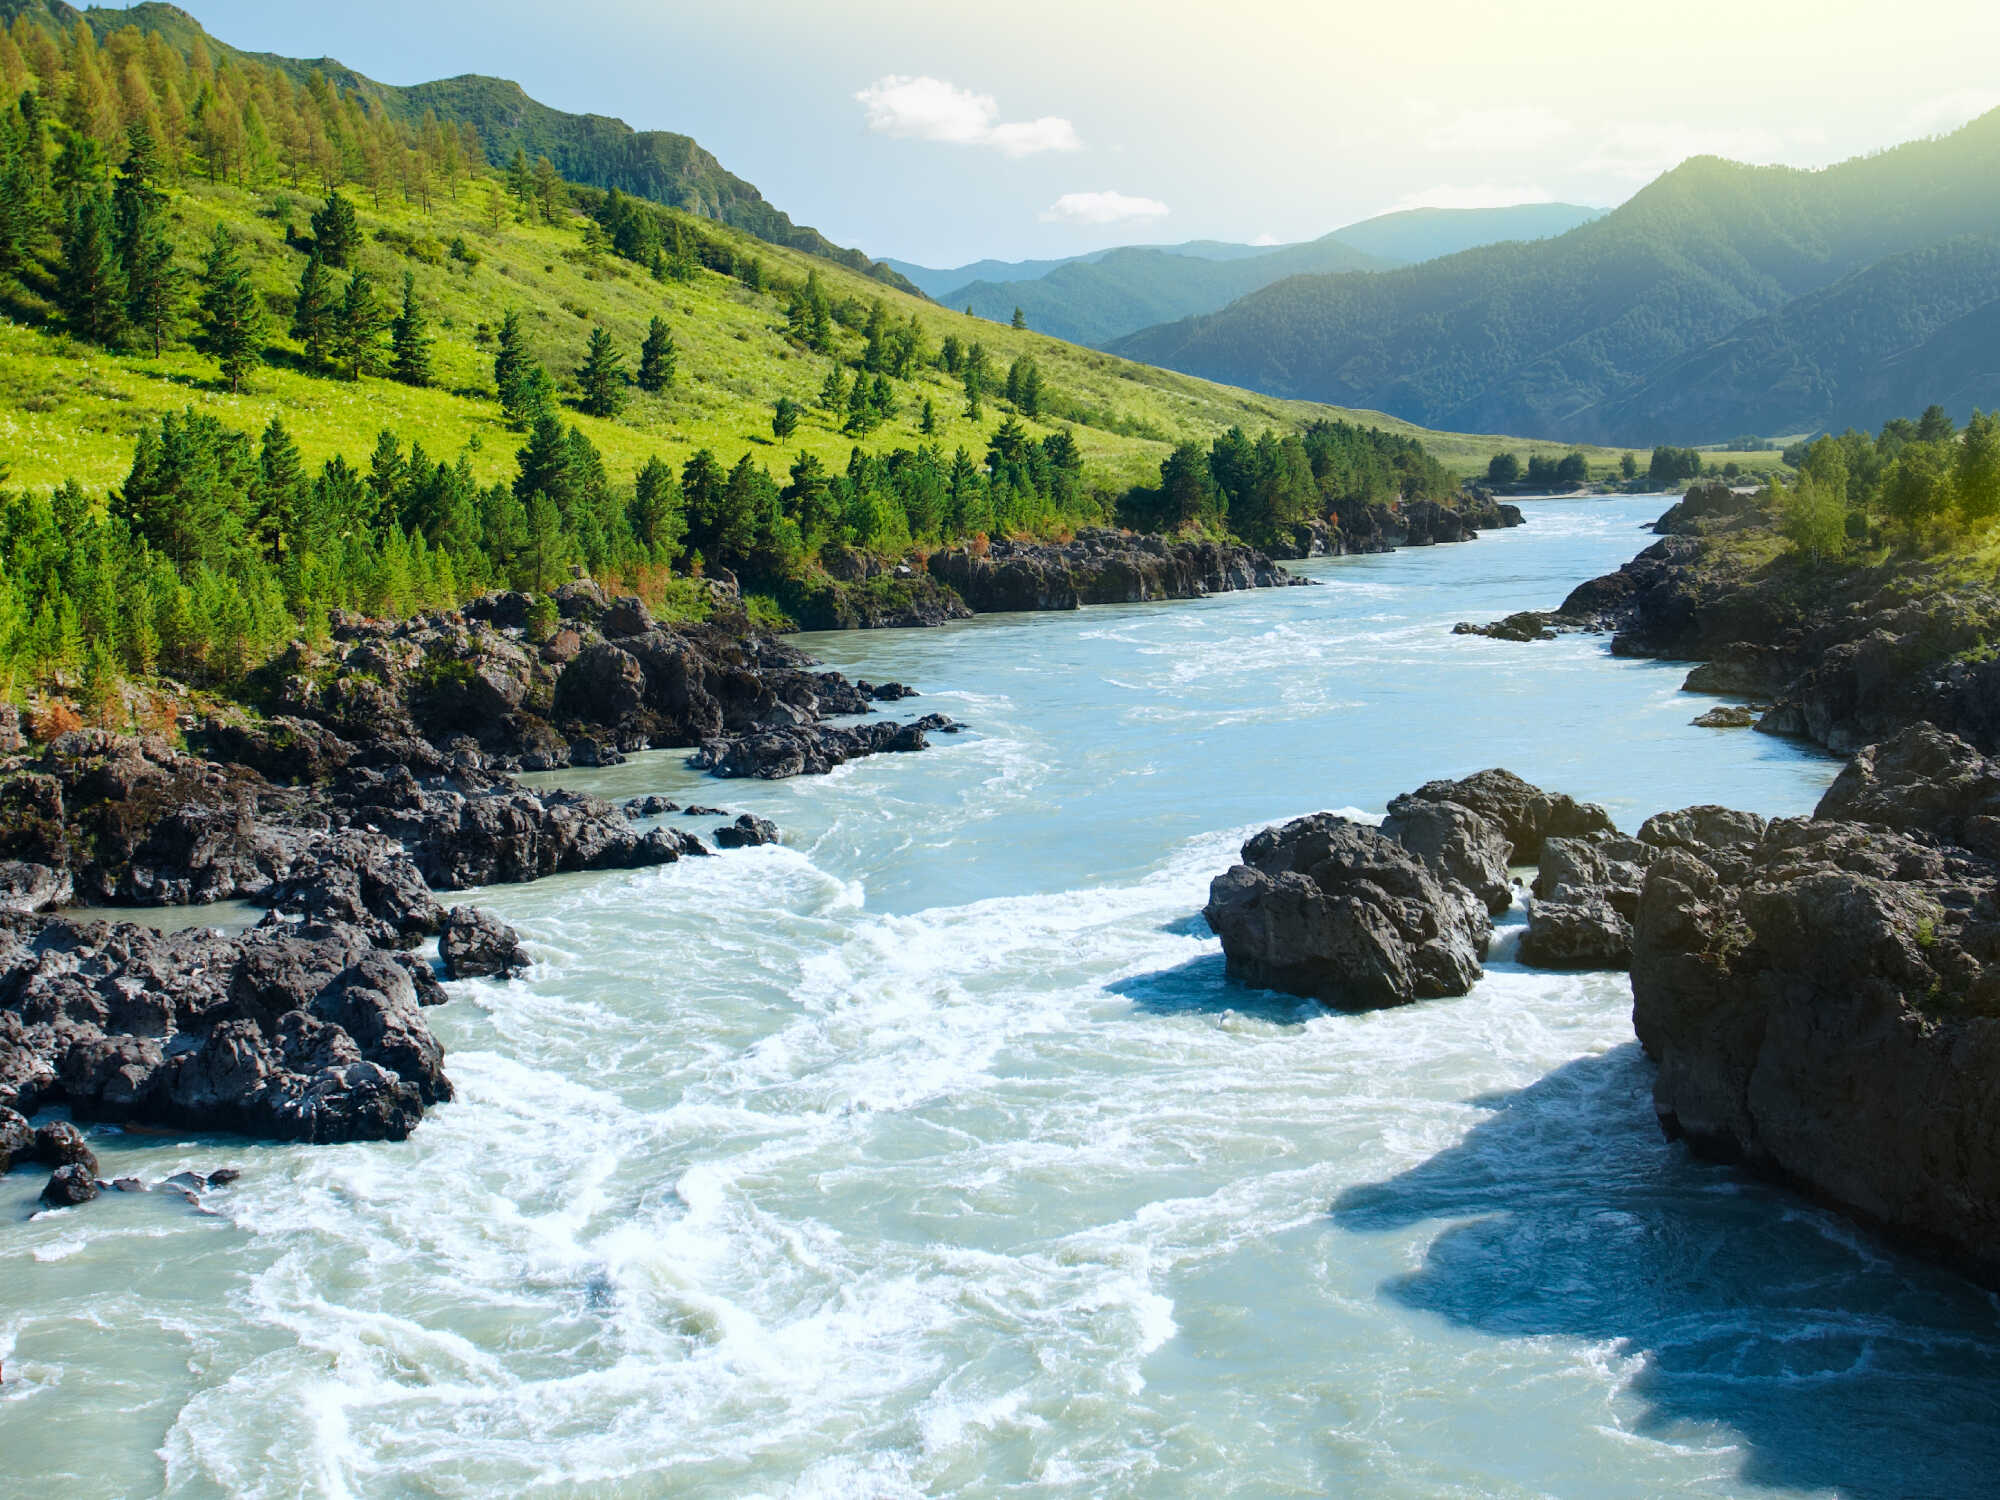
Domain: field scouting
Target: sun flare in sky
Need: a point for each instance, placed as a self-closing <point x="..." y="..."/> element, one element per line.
<point x="941" y="134"/>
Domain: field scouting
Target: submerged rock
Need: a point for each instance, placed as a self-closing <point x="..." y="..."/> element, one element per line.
<point x="1338" y="911"/>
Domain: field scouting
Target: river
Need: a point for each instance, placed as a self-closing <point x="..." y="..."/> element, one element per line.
<point x="932" y="1153"/>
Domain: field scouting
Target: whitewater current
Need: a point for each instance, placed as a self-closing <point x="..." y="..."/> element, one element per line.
<point x="932" y="1152"/>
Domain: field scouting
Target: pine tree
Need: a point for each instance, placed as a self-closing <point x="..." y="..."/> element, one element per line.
<point x="152" y="281"/>
<point x="784" y="418"/>
<point x="928" y="424"/>
<point x="91" y="283"/>
<point x="975" y="387"/>
<point x="1020" y="319"/>
<point x="860" y="411"/>
<point x="315" y="316"/>
<point x="336" y="232"/>
<point x="232" y="317"/>
<point x="279" y="492"/>
<point x="510" y="360"/>
<point x="409" y="339"/>
<point x="358" y="331"/>
<point x="657" y="357"/>
<point x="833" y="390"/>
<point x="600" y="378"/>
<point x="520" y="180"/>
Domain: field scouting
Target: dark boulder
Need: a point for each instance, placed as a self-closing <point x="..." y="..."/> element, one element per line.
<point x="746" y="832"/>
<point x="1610" y="869"/>
<point x="364" y="881"/>
<point x="61" y="1144"/>
<point x="1922" y="781"/>
<point x="477" y="943"/>
<point x="1525" y="814"/>
<point x="1339" y="912"/>
<point x="26" y="887"/>
<point x="1458" y="844"/>
<point x="69" y="1186"/>
<point x="652" y="805"/>
<point x="1824" y="1007"/>
<point x="1585" y="934"/>
<point x="1524" y="625"/>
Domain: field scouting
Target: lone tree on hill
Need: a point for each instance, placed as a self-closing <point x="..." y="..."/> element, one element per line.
<point x="1020" y="319"/>
<point x="358" y="340"/>
<point x="657" y="357"/>
<point x="409" y="339"/>
<point x="232" y="318"/>
<point x="784" y="418"/>
<point x="601" y="377"/>
<point x="315" y="315"/>
<point x="336" y="232"/>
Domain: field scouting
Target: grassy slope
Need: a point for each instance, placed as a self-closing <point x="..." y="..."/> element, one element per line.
<point x="69" y="410"/>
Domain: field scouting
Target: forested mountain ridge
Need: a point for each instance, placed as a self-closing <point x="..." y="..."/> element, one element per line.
<point x="1093" y="302"/>
<point x="1547" y="337"/>
<point x="594" y="150"/>
<point x="1106" y="294"/>
<point x="1846" y="356"/>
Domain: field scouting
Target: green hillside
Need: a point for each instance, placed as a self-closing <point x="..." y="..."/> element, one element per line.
<point x="590" y="149"/>
<point x="272" y="353"/>
<point x="1548" y="337"/>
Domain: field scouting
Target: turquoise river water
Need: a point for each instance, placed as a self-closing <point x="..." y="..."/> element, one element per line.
<point x="932" y="1153"/>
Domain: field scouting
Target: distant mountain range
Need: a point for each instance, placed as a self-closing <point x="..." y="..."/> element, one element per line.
<point x="591" y="149"/>
<point x="1719" y="300"/>
<point x="1101" y="296"/>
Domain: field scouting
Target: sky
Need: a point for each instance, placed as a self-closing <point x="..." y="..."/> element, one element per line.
<point x="942" y="134"/>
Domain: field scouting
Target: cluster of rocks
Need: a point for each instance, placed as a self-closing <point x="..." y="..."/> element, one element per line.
<point x="1821" y="995"/>
<point x="382" y="786"/>
<point x="1100" y="566"/>
<point x="1360" y="917"/>
<point x="814" y="749"/>
<point x="74" y="1179"/>
<point x="469" y="690"/>
<point x="1843" y="655"/>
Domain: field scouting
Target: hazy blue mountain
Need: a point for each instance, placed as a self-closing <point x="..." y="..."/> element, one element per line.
<point x="1548" y="338"/>
<point x="1093" y="302"/>
<point x="1420" y="234"/>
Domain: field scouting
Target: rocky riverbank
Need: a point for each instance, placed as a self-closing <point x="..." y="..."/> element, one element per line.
<point x="1100" y="566"/>
<point x="380" y="780"/>
<point x="1821" y="995"/>
<point x="1843" y="655"/>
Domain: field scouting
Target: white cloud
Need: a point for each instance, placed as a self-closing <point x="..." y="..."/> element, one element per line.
<point x="930" y="109"/>
<point x="1949" y="111"/>
<point x="1492" y="131"/>
<point x="1267" y="238"/>
<point x="1101" y="208"/>
<point x="1478" y="195"/>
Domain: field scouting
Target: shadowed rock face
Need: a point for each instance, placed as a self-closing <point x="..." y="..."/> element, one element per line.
<point x="1340" y="912"/>
<point x="305" y="1034"/>
<point x="1100" y="567"/>
<point x="1824" y="1000"/>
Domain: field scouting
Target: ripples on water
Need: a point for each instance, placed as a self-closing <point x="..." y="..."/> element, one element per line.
<point x="933" y="1153"/>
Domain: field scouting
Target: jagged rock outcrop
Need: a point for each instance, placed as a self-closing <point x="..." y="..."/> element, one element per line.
<point x="1824" y="1001"/>
<point x="1100" y="567"/>
<point x="290" y="1033"/>
<point x="1524" y="814"/>
<point x="810" y="750"/>
<point x="1384" y="528"/>
<point x="1340" y="912"/>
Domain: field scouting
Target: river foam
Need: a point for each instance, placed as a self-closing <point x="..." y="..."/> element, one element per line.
<point x="932" y="1153"/>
